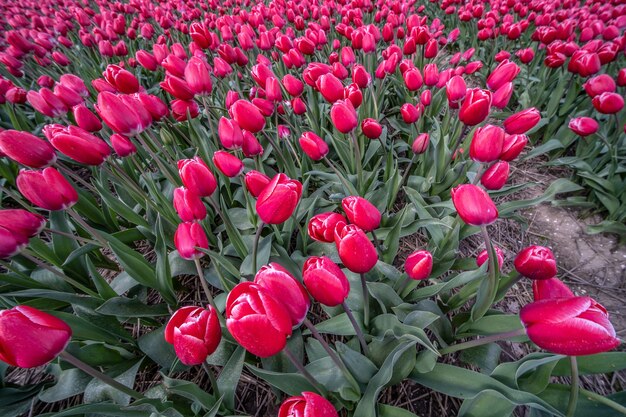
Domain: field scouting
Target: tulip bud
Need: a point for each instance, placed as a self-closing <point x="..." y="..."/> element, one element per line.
<point x="419" y="265"/>
<point x="27" y="149"/>
<point x="279" y="199"/>
<point x="195" y="333"/>
<point x="198" y="77"/>
<point x="313" y="146"/>
<point x="354" y="95"/>
<point x="356" y="251"/>
<point x="455" y="91"/>
<point x="247" y="115"/>
<point x="513" y="146"/>
<point x="121" y="117"/>
<point x="322" y="226"/>
<point x="496" y="175"/>
<point x="502" y="96"/>
<point x="256" y="182"/>
<point x="309" y="404"/>
<point x="522" y="122"/>
<point x="344" y="116"/>
<point x="583" y="126"/>
<point x="487" y="143"/>
<point x="188" y="236"/>
<point x="420" y="144"/>
<point x="504" y="73"/>
<point x="484" y="257"/>
<point x="426" y="97"/>
<point x="86" y="119"/>
<point x="293" y="85"/>
<point x="30" y="337"/>
<point x="360" y="76"/>
<point x="22" y="222"/>
<point x="474" y="205"/>
<point x="597" y="85"/>
<point x="361" y="212"/>
<point x="78" y="144"/>
<point x="47" y="189"/>
<point x="251" y="146"/>
<point x="256" y="320"/>
<point x="272" y="89"/>
<point x="325" y="281"/>
<point x="188" y="205"/>
<point x="409" y="113"/>
<point x="550" y="288"/>
<point x="228" y="164"/>
<point x="330" y="87"/>
<point x="197" y="177"/>
<point x="371" y="128"/>
<point x="122" y="146"/>
<point x="229" y="133"/>
<point x="281" y="285"/>
<point x="608" y="103"/>
<point x="413" y="79"/>
<point x="11" y="243"/>
<point x="536" y="262"/>
<point x="475" y="107"/>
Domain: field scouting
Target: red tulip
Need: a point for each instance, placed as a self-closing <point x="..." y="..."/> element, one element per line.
<point x="360" y="76"/>
<point x="495" y="176"/>
<point x="195" y="333"/>
<point x="502" y="96"/>
<point x="256" y="182"/>
<point x="608" y="103"/>
<point x="413" y="79"/>
<point x="536" y="262"/>
<point x="86" y="119"/>
<point x="322" y="226"/>
<point x="621" y="77"/>
<point x="298" y="106"/>
<point x="228" y="164"/>
<point x="325" y="281"/>
<point x="198" y="77"/>
<point x="188" y="236"/>
<point x="30" y="337"/>
<point x="78" y="144"/>
<point x="313" y="146"/>
<point x="188" y="205"/>
<point x="119" y="116"/>
<point x="279" y="199"/>
<point x="123" y="81"/>
<point x="251" y="146"/>
<point x="330" y="87"/>
<point x="474" y="205"/>
<point x="371" y="128"/>
<point x="550" y="288"/>
<point x="505" y="72"/>
<point x="45" y="102"/>
<point x="361" y="212"/>
<point x="409" y="113"/>
<point x="354" y="95"/>
<point x="154" y="105"/>
<point x="521" y="122"/>
<point x="455" y="91"/>
<point x="420" y="143"/>
<point x="419" y="265"/>
<point x="343" y="116"/>
<point x="247" y="115"/>
<point x="307" y="405"/>
<point x="197" y="176"/>
<point x="147" y="60"/>
<point x="513" y="146"/>
<point x="431" y="74"/>
<point x="282" y="286"/>
<point x="122" y="146"/>
<point x="11" y="243"/>
<point x="487" y="143"/>
<point x="569" y="326"/>
<point x="272" y="89"/>
<point x="484" y="257"/>
<point x="583" y="126"/>
<point x="229" y="133"/>
<point x="22" y="222"/>
<point x="597" y="85"/>
<point x="47" y="189"/>
<point x="356" y="251"/>
<point x="184" y="110"/>
<point x="293" y="85"/>
<point x="525" y="55"/>
<point x="426" y="97"/>
<point x="475" y="107"/>
<point x="177" y="87"/>
<point x="257" y="321"/>
<point x="27" y="149"/>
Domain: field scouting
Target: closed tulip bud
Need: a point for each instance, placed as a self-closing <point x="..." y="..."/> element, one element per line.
<point x="279" y="199"/>
<point x="188" y="236"/>
<point x="228" y="164"/>
<point x="86" y="119"/>
<point x="11" y="243"/>
<point x="608" y="103"/>
<point x="293" y="85"/>
<point x="413" y="79"/>
<point x="46" y="103"/>
<point x="47" y="189"/>
<point x="344" y="116"/>
<point x="330" y="87"/>
<point x="322" y="226"/>
<point x="298" y="106"/>
<point x="360" y="76"/>
<point x="16" y="95"/>
<point x="569" y="326"/>
<point x="266" y="107"/>
<point x="256" y="182"/>
<point x="426" y="97"/>
<point x="177" y="87"/>
<point x="154" y="105"/>
<point x="502" y="55"/>
<point x="122" y="146"/>
<point x="599" y="84"/>
<point x="502" y="96"/>
<point x="525" y="55"/>
<point x="251" y="146"/>
<point x="356" y="251"/>
<point x="123" y="81"/>
<point x="522" y="122"/>
<point x="21" y="222"/>
<point x="313" y="146"/>
<point x="431" y="74"/>
<point x="27" y="149"/>
<point x="247" y="115"/>
<point x="487" y="143"/>
<point x="474" y="205"/>
<point x="45" y="81"/>
<point x="188" y="205"/>
<point x="281" y="285"/>
<point x="419" y="265"/>
<point x="183" y="110"/>
<point x="229" y="133"/>
<point x="495" y="176"/>
<point x="504" y="73"/>
<point x="78" y="144"/>
<point x="475" y="107"/>
<point x="325" y="281"/>
<point x="309" y="404"/>
<point x="197" y="77"/>
<point x="197" y="176"/>
<point x="550" y="288"/>
<point x="484" y="257"/>
<point x="409" y="113"/>
<point x="272" y="89"/>
<point x="371" y="128"/>
<point x="455" y="91"/>
<point x="146" y="60"/>
<point x="536" y="262"/>
<point x="118" y="115"/>
<point x="195" y="333"/>
<point x="361" y="212"/>
<point x="621" y="77"/>
<point x="354" y="95"/>
<point x="513" y="146"/>
<point x="583" y="126"/>
<point x="420" y="144"/>
<point x="431" y="49"/>
<point x="256" y="320"/>
<point x="30" y="337"/>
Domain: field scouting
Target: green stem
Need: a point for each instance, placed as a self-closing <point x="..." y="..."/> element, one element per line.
<point x="482" y="341"/>
<point x="205" y="286"/>
<point x="103" y="377"/>
<point x="70" y="235"/>
<point x="573" y="394"/>
<point x="377" y="244"/>
<point x="255" y="247"/>
<point x="366" y="302"/>
<point x="328" y="350"/>
<point x="349" y="188"/>
<point x="88" y="228"/>
<point x="407" y="171"/>
<point x="320" y="388"/>
<point x="359" y="162"/>
<point x="604" y="401"/>
<point x="211" y="375"/>
<point x="357" y="329"/>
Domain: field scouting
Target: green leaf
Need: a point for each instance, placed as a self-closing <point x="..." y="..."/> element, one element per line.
<point x="131" y="307"/>
<point x="558" y="396"/>
<point x="133" y="262"/>
<point x="154" y="345"/>
<point x="600" y="363"/>
<point x="488" y="403"/>
<point x="386" y="410"/>
<point x="69" y="383"/>
<point x="99" y="391"/>
<point x="291" y="384"/>
<point x="486" y="357"/>
<point x="190" y="391"/>
<point x="339" y="325"/>
<point x="229" y="377"/>
<point x="163" y="271"/>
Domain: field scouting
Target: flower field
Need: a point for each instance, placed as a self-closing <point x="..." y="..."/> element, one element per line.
<point x="313" y="208"/>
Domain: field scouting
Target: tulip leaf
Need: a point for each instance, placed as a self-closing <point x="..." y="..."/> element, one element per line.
<point x="386" y="410"/>
<point x="131" y="307"/>
<point x="461" y="279"/>
<point x="485" y="357"/>
<point x="190" y="391"/>
<point x="289" y="383"/>
<point x="99" y="391"/>
<point x="163" y="270"/>
<point x="70" y="382"/>
<point x="229" y="377"/>
<point x="359" y="365"/>
<point x="489" y="403"/>
<point x="558" y="186"/>
<point x="154" y="345"/>
<point x="143" y="408"/>
<point x="492" y="324"/>
<point x="339" y="325"/>
<point x="133" y="262"/>
<point x="600" y="363"/>
<point x="558" y="396"/>
<point x="119" y="207"/>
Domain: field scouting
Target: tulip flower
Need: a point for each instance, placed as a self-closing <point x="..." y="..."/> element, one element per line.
<point x="371" y="128"/>
<point x="251" y="146"/>
<point x="354" y="95"/>
<point x="86" y="119"/>
<point x="228" y="164"/>
<point x="455" y="91"/>
<point x="123" y="81"/>
<point x="608" y="103"/>
<point x="122" y="146"/>
<point x="27" y="149"/>
<point x="572" y="326"/>
<point x="184" y="110"/>
<point x="536" y="263"/>
<point x="307" y="405"/>
<point x="188" y="205"/>
<point x="550" y="288"/>
<point x="293" y="85"/>
<point x="487" y="143"/>
<point x="419" y="265"/>
<point x="621" y="77"/>
<point x="484" y="257"/>
<point x="256" y="182"/>
<point x="322" y="226"/>
<point x="279" y="199"/>
<point x="325" y="281"/>
<point x="257" y="321"/>
<point x="502" y="96"/>
<point x="361" y="212"/>
<point x="505" y="72"/>
<point x="356" y="251"/>
<point x="409" y="113"/>
<point x="119" y="116"/>
<point x="272" y="89"/>
<point x="513" y="146"/>
<point x="78" y="144"/>
<point x="154" y="105"/>
<point x="583" y="126"/>
<point x="30" y="337"/>
<point x="197" y="176"/>
<point x="11" y="243"/>
<point x="177" y="87"/>
<point x="247" y="115"/>
<point x="188" y="236"/>
<point x="343" y="116"/>
<point x="474" y="205"/>
<point x="47" y="189"/>
<point x="330" y="87"/>
<point x="413" y="79"/>
<point x="420" y="143"/>
<point x="521" y="122"/>
<point x="495" y="176"/>
<point x="198" y="77"/>
<point x="314" y="146"/>
<point x="22" y="222"/>
<point x="475" y="107"/>
<point x="195" y="333"/>
<point x="45" y="102"/>
<point x="281" y="285"/>
<point x="599" y="84"/>
<point x="360" y="76"/>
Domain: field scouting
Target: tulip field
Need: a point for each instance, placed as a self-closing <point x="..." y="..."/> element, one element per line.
<point x="312" y="208"/>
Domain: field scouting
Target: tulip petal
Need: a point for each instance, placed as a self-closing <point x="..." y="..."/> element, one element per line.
<point x="554" y="310"/>
<point x="190" y="350"/>
<point x="573" y="337"/>
<point x="257" y="335"/>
